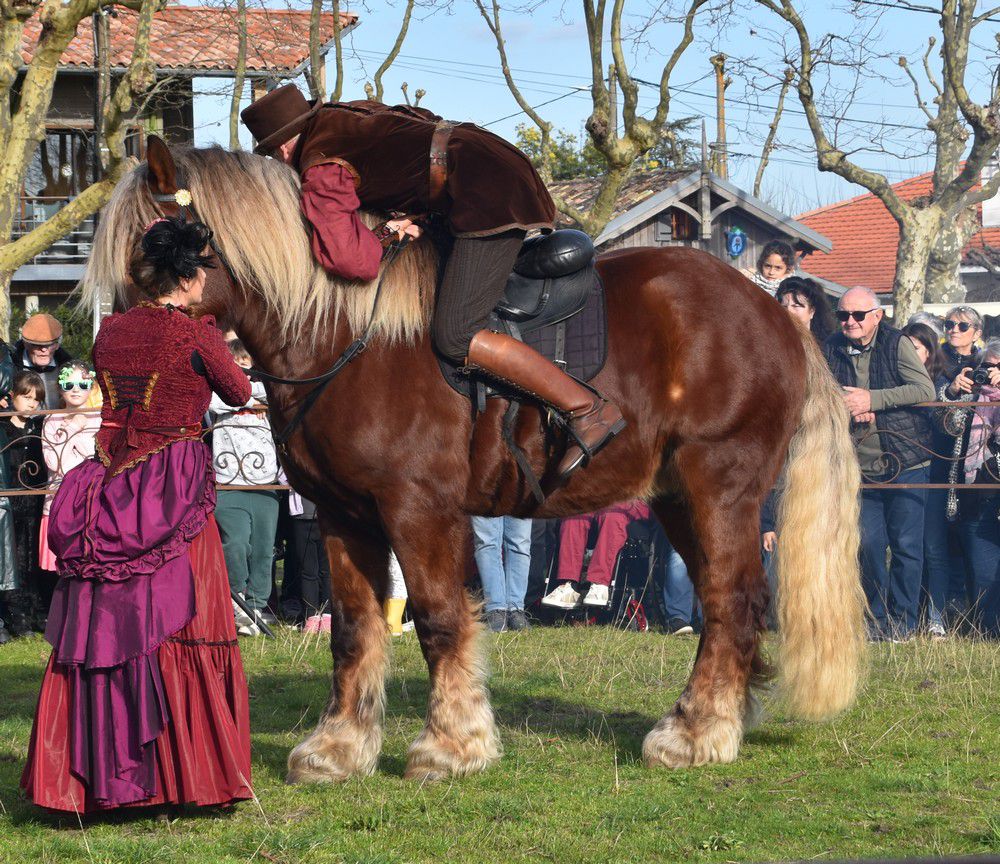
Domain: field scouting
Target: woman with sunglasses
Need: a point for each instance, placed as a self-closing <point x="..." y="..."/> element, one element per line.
<point x="944" y="571"/>
<point x="144" y="701"/>
<point x="975" y="460"/>
<point x="963" y="327"/>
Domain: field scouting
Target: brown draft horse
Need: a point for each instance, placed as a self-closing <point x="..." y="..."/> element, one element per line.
<point x="718" y="386"/>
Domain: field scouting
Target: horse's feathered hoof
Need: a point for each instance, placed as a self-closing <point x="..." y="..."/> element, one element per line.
<point x="332" y="755"/>
<point x="429" y="759"/>
<point x="674" y="742"/>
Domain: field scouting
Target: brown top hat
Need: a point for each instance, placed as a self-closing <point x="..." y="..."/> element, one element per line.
<point x="41" y="329"/>
<point x="280" y="115"/>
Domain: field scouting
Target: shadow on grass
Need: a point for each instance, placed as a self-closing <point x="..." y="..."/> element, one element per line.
<point x="302" y="699"/>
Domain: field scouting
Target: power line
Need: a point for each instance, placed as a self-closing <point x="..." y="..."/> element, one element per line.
<point x="572" y="92"/>
<point x="897" y="8"/>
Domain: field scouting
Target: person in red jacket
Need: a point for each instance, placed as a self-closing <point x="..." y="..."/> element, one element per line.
<point x="353" y="155"/>
<point x="144" y="700"/>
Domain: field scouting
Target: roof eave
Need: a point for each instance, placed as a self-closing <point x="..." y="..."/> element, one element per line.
<point x="196" y="72"/>
<point x="763" y="211"/>
<point x="661" y="200"/>
<point x="646" y="208"/>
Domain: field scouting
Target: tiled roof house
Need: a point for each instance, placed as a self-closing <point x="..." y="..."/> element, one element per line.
<point x="865" y="238"/>
<point x="201" y="40"/>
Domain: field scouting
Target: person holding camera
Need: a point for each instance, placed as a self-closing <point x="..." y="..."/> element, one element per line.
<point x="883" y="378"/>
<point x="976" y="434"/>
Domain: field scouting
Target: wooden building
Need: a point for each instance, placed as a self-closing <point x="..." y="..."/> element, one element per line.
<point x="187" y="42"/>
<point x="692" y="208"/>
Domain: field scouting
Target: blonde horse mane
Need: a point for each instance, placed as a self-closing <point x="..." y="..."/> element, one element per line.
<point x="251" y="203"/>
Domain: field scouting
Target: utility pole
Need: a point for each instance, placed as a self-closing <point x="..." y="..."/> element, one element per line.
<point x="719" y="158"/>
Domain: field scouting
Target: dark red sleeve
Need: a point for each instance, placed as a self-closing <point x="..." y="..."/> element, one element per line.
<point x="341" y="242"/>
<point x="224" y="376"/>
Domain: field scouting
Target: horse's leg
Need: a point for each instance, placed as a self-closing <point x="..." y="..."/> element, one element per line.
<point x="460" y="735"/>
<point x="348" y="737"/>
<point x="716" y="532"/>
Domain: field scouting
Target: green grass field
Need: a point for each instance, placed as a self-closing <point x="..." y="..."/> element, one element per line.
<point x="914" y="769"/>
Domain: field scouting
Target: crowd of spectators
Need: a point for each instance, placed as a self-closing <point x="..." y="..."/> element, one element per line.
<point x="930" y="557"/>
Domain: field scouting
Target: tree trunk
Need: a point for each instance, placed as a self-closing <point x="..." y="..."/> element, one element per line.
<point x="5" y="279"/>
<point x="943" y="283"/>
<point x="240" y="76"/>
<point x="917" y="236"/>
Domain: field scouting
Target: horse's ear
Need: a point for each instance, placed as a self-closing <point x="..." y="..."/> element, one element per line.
<point x="162" y="170"/>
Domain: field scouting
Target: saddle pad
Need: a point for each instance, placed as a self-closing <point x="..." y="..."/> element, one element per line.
<point x="585" y="351"/>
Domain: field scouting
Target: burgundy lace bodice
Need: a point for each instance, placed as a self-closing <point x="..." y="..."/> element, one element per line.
<point x="157" y="368"/>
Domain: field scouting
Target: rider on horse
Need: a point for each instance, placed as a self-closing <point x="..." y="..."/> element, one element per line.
<point x="353" y="155"/>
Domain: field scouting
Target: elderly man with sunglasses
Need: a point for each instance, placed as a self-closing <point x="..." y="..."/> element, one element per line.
<point x="883" y="378"/>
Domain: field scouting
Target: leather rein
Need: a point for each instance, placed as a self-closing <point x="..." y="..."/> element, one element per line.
<point x="319" y="381"/>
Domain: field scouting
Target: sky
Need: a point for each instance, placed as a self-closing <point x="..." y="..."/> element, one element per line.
<point x="452" y="55"/>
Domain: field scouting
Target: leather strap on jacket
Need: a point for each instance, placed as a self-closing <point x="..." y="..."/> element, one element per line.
<point x="439" y="163"/>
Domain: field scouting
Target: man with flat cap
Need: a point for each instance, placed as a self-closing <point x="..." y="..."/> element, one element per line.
<point x="39" y="349"/>
<point x="402" y="159"/>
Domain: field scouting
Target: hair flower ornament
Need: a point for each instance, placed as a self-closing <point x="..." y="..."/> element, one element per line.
<point x="183" y="198"/>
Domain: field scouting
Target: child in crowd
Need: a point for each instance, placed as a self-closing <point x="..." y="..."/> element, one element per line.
<point x="67" y="440"/>
<point x="244" y="455"/>
<point x="612" y="524"/>
<point x="775" y="263"/>
<point x="26" y="464"/>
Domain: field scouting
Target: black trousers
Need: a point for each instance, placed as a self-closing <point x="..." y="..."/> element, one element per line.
<point x="473" y="283"/>
<point x="313" y="567"/>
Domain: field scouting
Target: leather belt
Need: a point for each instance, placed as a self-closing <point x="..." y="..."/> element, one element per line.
<point x="439" y="163"/>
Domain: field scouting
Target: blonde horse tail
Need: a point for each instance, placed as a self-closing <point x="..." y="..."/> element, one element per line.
<point x="821" y="605"/>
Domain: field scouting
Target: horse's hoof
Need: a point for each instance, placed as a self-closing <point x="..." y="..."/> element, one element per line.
<point x="429" y="760"/>
<point x="673" y="743"/>
<point x="668" y="745"/>
<point x="326" y="758"/>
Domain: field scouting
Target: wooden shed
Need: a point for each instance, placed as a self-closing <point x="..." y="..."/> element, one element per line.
<point x="692" y="208"/>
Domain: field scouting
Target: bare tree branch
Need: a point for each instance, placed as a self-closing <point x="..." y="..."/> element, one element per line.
<point x="905" y="66"/>
<point x="315" y="77"/>
<point x="394" y="52"/>
<point x="492" y="19"/>
<point x="931" y="42"/>
<point x="765" y="153"/>
<point x="338" y="55"/>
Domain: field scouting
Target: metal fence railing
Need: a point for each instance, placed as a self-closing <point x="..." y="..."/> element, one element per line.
<point x="238" y="470"/>
<point x="51" y="449"/>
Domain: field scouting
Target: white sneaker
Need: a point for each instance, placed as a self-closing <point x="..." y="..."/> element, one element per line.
<point x="936" y="631"/>
<point x="564" y="597"/>
<point x="597" y="595"/>
<point x="242" y="619"/>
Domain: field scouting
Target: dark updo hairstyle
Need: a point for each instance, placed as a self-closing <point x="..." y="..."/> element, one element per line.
<point x="777" y="247"/>
<point x="170" y="250"/>
<point x="822" y="324"/>
<point x="926" y="336"/>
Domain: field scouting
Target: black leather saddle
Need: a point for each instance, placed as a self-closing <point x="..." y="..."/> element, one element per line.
<point x="554" y="302"/>
<point x="552" y="278"/>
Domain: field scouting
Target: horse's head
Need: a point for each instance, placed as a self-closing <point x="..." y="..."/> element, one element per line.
<point x="169" y="189"/>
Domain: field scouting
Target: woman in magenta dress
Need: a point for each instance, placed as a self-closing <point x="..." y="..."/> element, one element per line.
<point x="144" y="700"/>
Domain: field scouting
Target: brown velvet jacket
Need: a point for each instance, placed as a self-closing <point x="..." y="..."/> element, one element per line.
<point x="491" y="186"/>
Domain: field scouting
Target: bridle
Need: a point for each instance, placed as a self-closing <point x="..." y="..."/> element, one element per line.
<point x="184" y="203"/>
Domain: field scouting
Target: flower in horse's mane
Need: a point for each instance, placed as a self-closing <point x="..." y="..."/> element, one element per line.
<point x="183" y="198"/>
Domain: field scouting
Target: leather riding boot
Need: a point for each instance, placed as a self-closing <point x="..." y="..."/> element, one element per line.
<point x="593" y="420"/>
